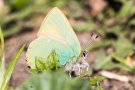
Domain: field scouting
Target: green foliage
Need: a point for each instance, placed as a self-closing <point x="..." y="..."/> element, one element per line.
<point x="105" y="62"/>
<point x="2" y="58"/>
<point x="11" y="69"/>
<point x="52" y="61"/>
<point x="95" y="82"/>
<point x="115" y="27"/>
<point x="49" y="64"/>
<point x="18" y="4"/>
<point x="5" y="79"/>
<point x="125" y="10"/>
<point x="40" y="64"/>
<point x="123" y="49"/>
<point x="117" y="31"/>
<point x="23" y="12"/>
<point x="55" y="81"/>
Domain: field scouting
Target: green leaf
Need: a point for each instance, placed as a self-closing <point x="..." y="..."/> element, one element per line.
<point x="120" y="59"/>
<point x="11" y="68"/>
<point x="93" y="81"/>
<point x="2" y="58"/>
<point x="84" y="25"/>
<point x="123" y="46"/>
<point x="19" y="4"/>
<point x="132" y="22"/>
<point x="99" y="88"/>
<point x="52" y="61"/>
<point x="55" y="81"/>
<point x="99" y="78"/>
<point x="39" y="62"/>
<point x="104" y="62"/>
<point x="96" y="79"/>
<point x="126" y="9"/>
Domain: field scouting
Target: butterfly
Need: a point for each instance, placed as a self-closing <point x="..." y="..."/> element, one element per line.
<point x="56" y="34"/>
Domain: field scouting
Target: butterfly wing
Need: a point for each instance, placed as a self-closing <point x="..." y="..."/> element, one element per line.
<point x="42" y="47"/>
<point x="56" y="26"/>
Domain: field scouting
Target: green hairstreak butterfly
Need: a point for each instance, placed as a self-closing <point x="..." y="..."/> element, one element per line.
<point x="56" y="34"/>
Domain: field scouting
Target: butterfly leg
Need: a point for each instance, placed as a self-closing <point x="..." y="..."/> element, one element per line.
<point x="79" y="70"/>
<point x="76" y="67"/>
<point x="84" y="65"/>
<point x="69" y="68"/>
<point x="70" y="74"/>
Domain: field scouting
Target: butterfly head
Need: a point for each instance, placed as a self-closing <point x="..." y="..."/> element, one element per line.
<point x="84" y="54"/>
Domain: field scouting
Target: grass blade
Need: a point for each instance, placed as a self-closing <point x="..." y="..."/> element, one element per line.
<point x="10" y="69"/>
<point x="2" y="57"/>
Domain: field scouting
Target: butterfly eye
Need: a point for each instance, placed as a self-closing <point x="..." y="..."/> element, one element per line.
<point x="84" y="54"/>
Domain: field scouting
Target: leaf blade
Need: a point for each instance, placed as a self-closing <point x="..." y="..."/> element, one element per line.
<point x="2" y="57"/>
<point x="11" y="68"/>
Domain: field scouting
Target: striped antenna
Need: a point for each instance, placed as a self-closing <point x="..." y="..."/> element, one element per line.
<point x="86" y="45"/>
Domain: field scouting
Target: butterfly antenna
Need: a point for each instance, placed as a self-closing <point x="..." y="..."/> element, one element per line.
<point x="88" y="41"/>
<point x="92" y="41"/>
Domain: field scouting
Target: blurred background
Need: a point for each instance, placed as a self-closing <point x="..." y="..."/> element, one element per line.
<point x="112" y="20"/>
